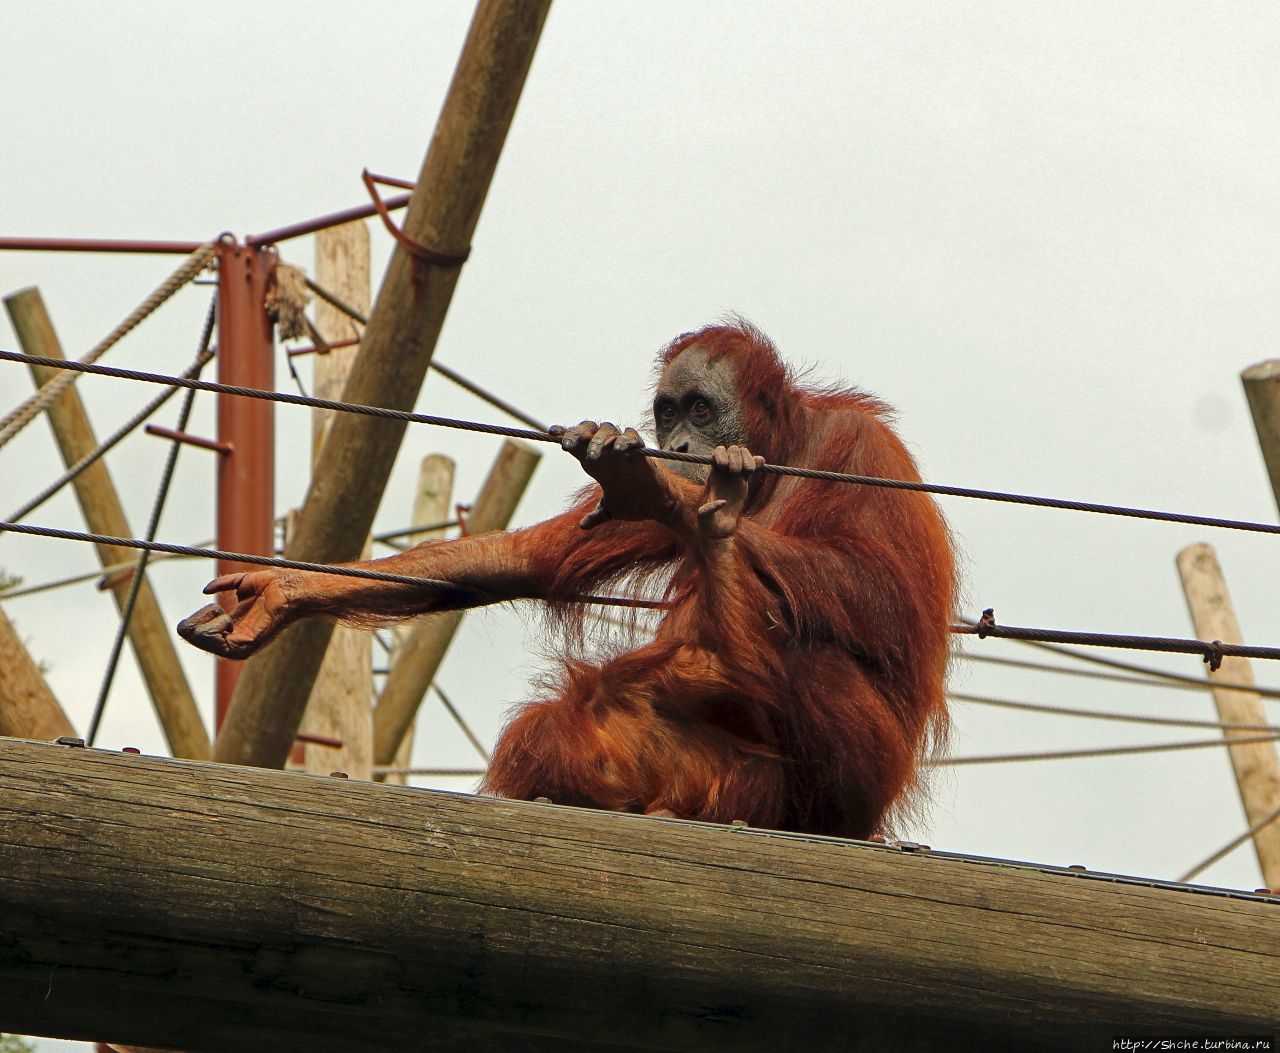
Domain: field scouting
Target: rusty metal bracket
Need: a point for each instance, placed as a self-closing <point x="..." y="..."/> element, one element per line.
<point x="188" y="439"/>
<point x="1213" y="655"/>
<point x="420" y="253"/>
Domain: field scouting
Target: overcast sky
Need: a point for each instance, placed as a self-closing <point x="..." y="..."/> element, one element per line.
<point x="1045" y="233"/>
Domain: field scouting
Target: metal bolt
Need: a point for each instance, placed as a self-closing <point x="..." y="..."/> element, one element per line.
<point x="131" y="749"/>
<point x="337" y="775"/>
<point x="69" y="740"/>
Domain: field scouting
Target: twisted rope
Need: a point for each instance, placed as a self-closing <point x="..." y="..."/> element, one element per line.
<point x="17" y="419"/>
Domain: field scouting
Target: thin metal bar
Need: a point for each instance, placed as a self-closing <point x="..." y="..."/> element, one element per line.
<point x="333" y="219"/>
<point x="177" y="248"/>
<point x="294" y="352"/>
<point x="457" y="718"/>
<point x="188" y="440"/>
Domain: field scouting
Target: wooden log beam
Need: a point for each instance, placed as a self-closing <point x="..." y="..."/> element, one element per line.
<point x="432" y="503"/>
<point x="358" y="454"/>
<point x="341" y="704"/>
<point x="1262" y="389"/>
<point x="200" y="907"/>
<point x="149" y="633"/>
<point x="28" y="706"/>
<point x="420" y="651"/>
<point x="1256" y="764"/>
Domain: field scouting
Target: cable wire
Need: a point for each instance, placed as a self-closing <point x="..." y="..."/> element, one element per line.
<point x="1109" y="751"/>
<point x="1155" y="643"/>
<point x="153" y="524"/>
<point x="1102" y="714"/>
<point x="1230" y="846"/>
<point x="649" y="451"/>
<point x="1160" y="674"/>
<point x="107" y="444"/>
<point x="1155" y="678"/>
<point x="449" y="374"/>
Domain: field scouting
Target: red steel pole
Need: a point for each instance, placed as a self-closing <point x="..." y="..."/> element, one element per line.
<point x="246" y="475"/>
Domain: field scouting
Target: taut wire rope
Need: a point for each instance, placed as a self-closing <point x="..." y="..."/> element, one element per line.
<point x="648" y="451"/>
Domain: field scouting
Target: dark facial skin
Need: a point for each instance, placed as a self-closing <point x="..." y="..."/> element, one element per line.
<point x="696" y="409"/>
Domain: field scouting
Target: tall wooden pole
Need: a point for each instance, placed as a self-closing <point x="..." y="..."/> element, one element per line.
<point x="341" y="703"/>
<point x="149" y="632"/>
<point x="1256" y="766"/>
<point x="431" y="504"/>
<point x="1262" y="389"/>
<point x="405" y="323"/>
<point x="419" y="655"/>
<point x="28" y="708"/>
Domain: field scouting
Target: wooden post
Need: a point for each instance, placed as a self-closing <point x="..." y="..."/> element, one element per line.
<point x="419" y="655"/>
<point x="211" y="908"/>
<point x="395" y="352"/>
<point x="1256" y="766"/>
<point x="1262" y="389"/>
<point x="341" y="703"/>
<point x="149" y="633"/>
<point x="28" y="708"/>
<point x="432" y="503"/>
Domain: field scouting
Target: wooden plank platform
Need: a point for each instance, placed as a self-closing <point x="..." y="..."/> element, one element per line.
<point x="204" y="907"/>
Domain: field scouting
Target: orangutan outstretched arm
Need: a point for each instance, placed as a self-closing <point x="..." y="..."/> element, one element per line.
<point x="639" y="514"/>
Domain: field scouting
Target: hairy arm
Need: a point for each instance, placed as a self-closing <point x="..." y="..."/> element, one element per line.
<point x="631" y="521"/>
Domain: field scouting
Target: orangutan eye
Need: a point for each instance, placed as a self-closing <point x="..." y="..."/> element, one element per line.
<point x="665" y="413"/>
<point x="700" y="411"/>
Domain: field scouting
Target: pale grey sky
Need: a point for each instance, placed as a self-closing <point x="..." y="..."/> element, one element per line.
<point x="1045" y="233"/>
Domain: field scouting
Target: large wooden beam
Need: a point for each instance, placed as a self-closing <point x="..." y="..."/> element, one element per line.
<point x="358" y="454"/>
<point x="28" y="706"/>
<point x="208" y="908"/>
<point x="149" y="633"/>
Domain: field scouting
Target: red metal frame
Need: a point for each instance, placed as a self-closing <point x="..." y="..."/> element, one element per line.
<point x="246" y="427"/>
<point x="246" y="475"/>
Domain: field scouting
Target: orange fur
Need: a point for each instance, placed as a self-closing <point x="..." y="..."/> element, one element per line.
<point x="798" y="676"/>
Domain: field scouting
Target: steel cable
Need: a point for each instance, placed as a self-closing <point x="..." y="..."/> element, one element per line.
<point x="648" y="451"/>
<point x="153" y="524"/>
